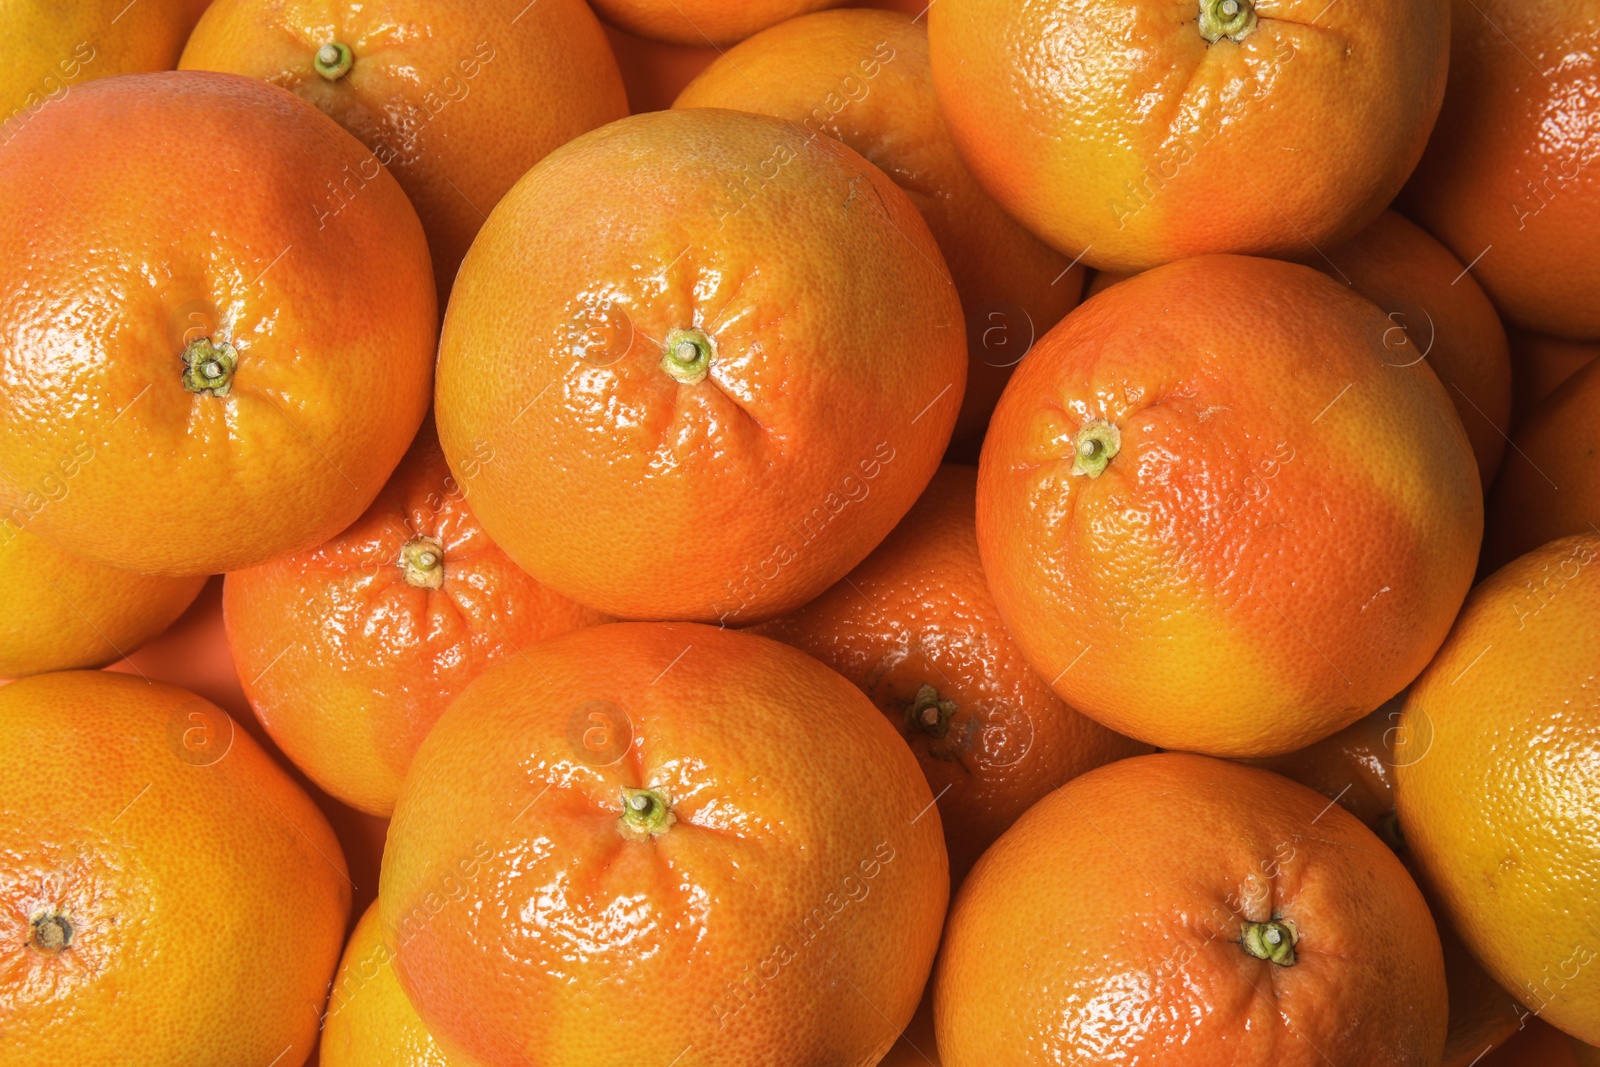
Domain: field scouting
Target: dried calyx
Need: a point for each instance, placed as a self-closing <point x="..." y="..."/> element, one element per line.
<point x="1231" y="19"/>
<point x="50" y="933"/>
<point x="422" y="560"/>
<point x="208" y="366"/>
<point x="928" y="714"/>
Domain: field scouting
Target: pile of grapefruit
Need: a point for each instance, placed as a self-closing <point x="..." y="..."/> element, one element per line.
<point x="765" y="533"/>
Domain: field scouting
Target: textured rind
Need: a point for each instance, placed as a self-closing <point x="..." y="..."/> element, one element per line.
<point x="806" y="855"/>
<point x="1280" y="545"/>
<point x="207" y="893"/>
<point x="55" y="48"/>
<point x="1104" y="927"/>
<point x="456" y="108"/>
<point x="348" y="666"/>
<point x="838" y="373"/>
<point x="1438" y="313"/>
<point x="863" y="77"/>
<point x="1509" y="181"/>
<point x="59" y="612"/>
<point x="702" y="22"/>
<point x="1551" y="484"/>
<point x="369" y="1022"/>
<point x="149" y="210"/>
<point x="1116" y="132"/>
<point x="918" y="613"/>
<point x="1500" y="775"/>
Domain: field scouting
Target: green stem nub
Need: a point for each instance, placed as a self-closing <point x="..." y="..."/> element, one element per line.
<point x="927" y="714"/>
<point x="423" y="563"/>
<point x="1233" y="19"/>
<point x="687" y="356"/>
<point x="334" y="60"/>
<point x="1095" y="446"/>
<point x="646" y="813"/>
<point x="1273" y="941"/>
<point x="209" y="367"/>
<point x="50" y="934"/>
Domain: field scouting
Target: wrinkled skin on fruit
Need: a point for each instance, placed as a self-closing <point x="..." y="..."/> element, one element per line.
<point x="673" y="808"/>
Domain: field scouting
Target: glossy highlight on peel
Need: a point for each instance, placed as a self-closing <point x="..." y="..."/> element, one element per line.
<point x="915" y="627"/>
<point x="863" y="77"/>
<point x="1136" y="134"/>
<point x="664" y="806"/>
<point x="351" y="651"/>
<point x="214" y="378"/>
<point x="456" y="108"/>
<point x="1510" y="182"/>
<point x="1190" y="912"/>
<point x="1227" y="535"/>
<point x="719" y="407"/>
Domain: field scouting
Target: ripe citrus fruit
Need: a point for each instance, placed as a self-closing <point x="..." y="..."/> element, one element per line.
<point x="1550" y="487"/>
<point x="1141" y="134"/>
<point x="220" y="376"/>
<point x="655" y="72"/>
<point x="1483" y="1015"/>
<point x="1500" y="775"/>
<point x="58" y="612"/>
<point x="369" y="1022"/>
<point x="645" y="841"/>
<point x="1508" y="180"/>
<point x="457" y="105"/>
<point x="1227" y="533"/>
<point x="350" y="651"/>
<point x="1539" y="364"/>
<point x="1538" y="1044"/>
<point x="1436" y="312"/>
<point x="193" y="654"/>
<point x="863" y="77"/>
<point x="702" y="22"/>
<point x="915" y="628"/>
<point x="168" y="894"/>
<point x="53" y="48"/>
<point x="1101" y="280"/>
<point x="1355" y="767"/>
<point x="730" y="390"/>
<point x="916" y="1046"/>
<point x="1189" y="912"/>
